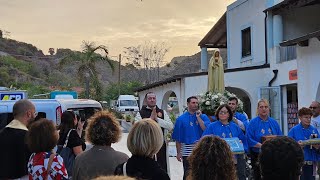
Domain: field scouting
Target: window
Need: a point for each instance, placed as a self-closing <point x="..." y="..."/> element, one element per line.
<point x="288" y="53"/>
<point x="246" y="42"/>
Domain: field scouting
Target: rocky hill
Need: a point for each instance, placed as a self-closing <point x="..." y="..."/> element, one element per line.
<point x="22" y="63"/>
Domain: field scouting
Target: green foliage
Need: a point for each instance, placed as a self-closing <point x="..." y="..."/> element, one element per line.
<point x="21" y="65"/>
<point x="5" y="78"/>
<point x="173" y="120"/>
<point x="112" y="91"/>
<point x="87" y="60"/>
<point x="116" y="113"/>
<point x="32" y="89"/>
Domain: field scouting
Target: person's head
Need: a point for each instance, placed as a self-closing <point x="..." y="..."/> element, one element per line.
<point x="211" y="159"/>
<point x="216" y="54"/>
<point x="145" y="138"/>
<point x="192" y="103"/>
<point x="24" y="111"/>
<point x="263" y="108"/>
<point x="315" y="107"/>
<point x="151" y="99"/>
<point x="305" y="115"/>
<point x="281" y="158"/>
<point x="114" y="178"/>
<point x="42" y="136"/>
<point x="224" y="113"/>
<point x="233" y="103"/>
<point x="68" y="121"/>
<point x="103" y="129"/>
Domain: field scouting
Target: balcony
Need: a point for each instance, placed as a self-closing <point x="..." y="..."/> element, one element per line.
<point x="287" y="54"/>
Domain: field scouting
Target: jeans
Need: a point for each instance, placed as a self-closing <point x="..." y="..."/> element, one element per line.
<point x="241" y="167"/>
<point x="255" y="166"/>
<point x="186" y="166"/>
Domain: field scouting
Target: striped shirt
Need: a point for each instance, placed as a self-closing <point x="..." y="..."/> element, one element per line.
<point x="186" y="149"/>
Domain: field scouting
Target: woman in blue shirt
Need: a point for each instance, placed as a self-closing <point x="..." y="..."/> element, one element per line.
<point x="224" y="127"/>
<point x="305" y="131"/>
<point x="260" y="126"/>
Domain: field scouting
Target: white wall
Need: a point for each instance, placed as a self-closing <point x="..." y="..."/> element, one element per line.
<point x="160" y="91"/>
<point x="240" y="15"/>
<point x="308" y="73"/>
<point x="248" y="81"/>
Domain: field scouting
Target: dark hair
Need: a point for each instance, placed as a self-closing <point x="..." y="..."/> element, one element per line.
<point x="42" y="136"/>
<point x="191" y="97"/>
<point x="304" y="111"/>
<point x="211" y="159"/>
<point x="281" y="158"/>
<point x="103" y="129"/>
<point x="233" y="98"/>
<point x="229" y="111"/>
<point x="150" y="92"/>
<point x="67" y="122"/>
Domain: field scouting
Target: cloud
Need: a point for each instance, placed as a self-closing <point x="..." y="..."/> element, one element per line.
<point x="116" y="23"/>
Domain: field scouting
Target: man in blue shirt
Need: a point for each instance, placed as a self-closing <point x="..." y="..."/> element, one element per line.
<point x="242" y="121"/>
<point x="188" y="130"/>
<point x="233" y="104"/>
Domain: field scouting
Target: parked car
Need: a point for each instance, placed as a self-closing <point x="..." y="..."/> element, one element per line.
<point x="52" y="109"/>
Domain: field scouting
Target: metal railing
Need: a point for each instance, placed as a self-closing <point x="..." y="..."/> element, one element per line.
<point x="288" y="53"/>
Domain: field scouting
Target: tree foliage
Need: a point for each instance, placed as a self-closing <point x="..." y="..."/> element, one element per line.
<point x="112" y="91"/>
<point x="86" y="61"/>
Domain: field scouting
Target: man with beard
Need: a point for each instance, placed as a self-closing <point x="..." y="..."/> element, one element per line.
<point x="14" y="153"/>
<point x="152" y="111"/>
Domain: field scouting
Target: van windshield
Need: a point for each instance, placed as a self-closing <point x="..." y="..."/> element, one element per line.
<point x="128" y="103"/>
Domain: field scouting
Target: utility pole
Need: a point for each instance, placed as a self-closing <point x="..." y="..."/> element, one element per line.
<point x="119" y="78"/>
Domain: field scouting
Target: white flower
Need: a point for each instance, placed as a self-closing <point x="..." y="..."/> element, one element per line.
<point x="221" y="102"/>
<point x="219" y="94"/>
<point x="215" y="97"/>
<point x="207" y="103"/>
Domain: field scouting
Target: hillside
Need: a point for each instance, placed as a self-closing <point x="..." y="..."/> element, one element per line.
<point x="23" y="66"/>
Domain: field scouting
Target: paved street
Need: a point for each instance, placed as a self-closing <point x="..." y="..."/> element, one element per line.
<point x="176" y="170"/>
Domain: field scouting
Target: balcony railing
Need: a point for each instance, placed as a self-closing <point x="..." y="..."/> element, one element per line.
<point x="288" y="53"/>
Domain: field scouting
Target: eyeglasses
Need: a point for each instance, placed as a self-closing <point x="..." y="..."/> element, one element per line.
<point x="313" y="107"/>
<point x="223" y="112"/>
<point x="35" y="114"/>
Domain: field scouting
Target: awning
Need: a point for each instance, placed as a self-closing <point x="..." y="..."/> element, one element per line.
<point x="290" y="4"/>
<point x="217" y="36"/>
<point x="301" y="41"/>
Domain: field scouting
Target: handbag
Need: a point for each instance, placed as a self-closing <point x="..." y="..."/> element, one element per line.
<point x="67" y="155"/>
<point x="124" y="169"/>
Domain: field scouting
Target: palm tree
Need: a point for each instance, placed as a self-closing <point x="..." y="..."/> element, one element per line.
<point x="87" y="60"/>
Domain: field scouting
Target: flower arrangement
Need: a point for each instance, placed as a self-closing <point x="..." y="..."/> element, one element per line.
<point x="210" y="101"/>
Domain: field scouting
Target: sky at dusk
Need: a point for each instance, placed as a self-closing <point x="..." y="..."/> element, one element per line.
<point x="181" y="24"/>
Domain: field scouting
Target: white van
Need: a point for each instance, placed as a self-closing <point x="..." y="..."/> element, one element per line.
<point x="52" y="109"/>
<point x="127" y="103"/>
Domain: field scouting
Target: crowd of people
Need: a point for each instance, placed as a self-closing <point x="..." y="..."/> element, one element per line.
<point x="28" y="145"/>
